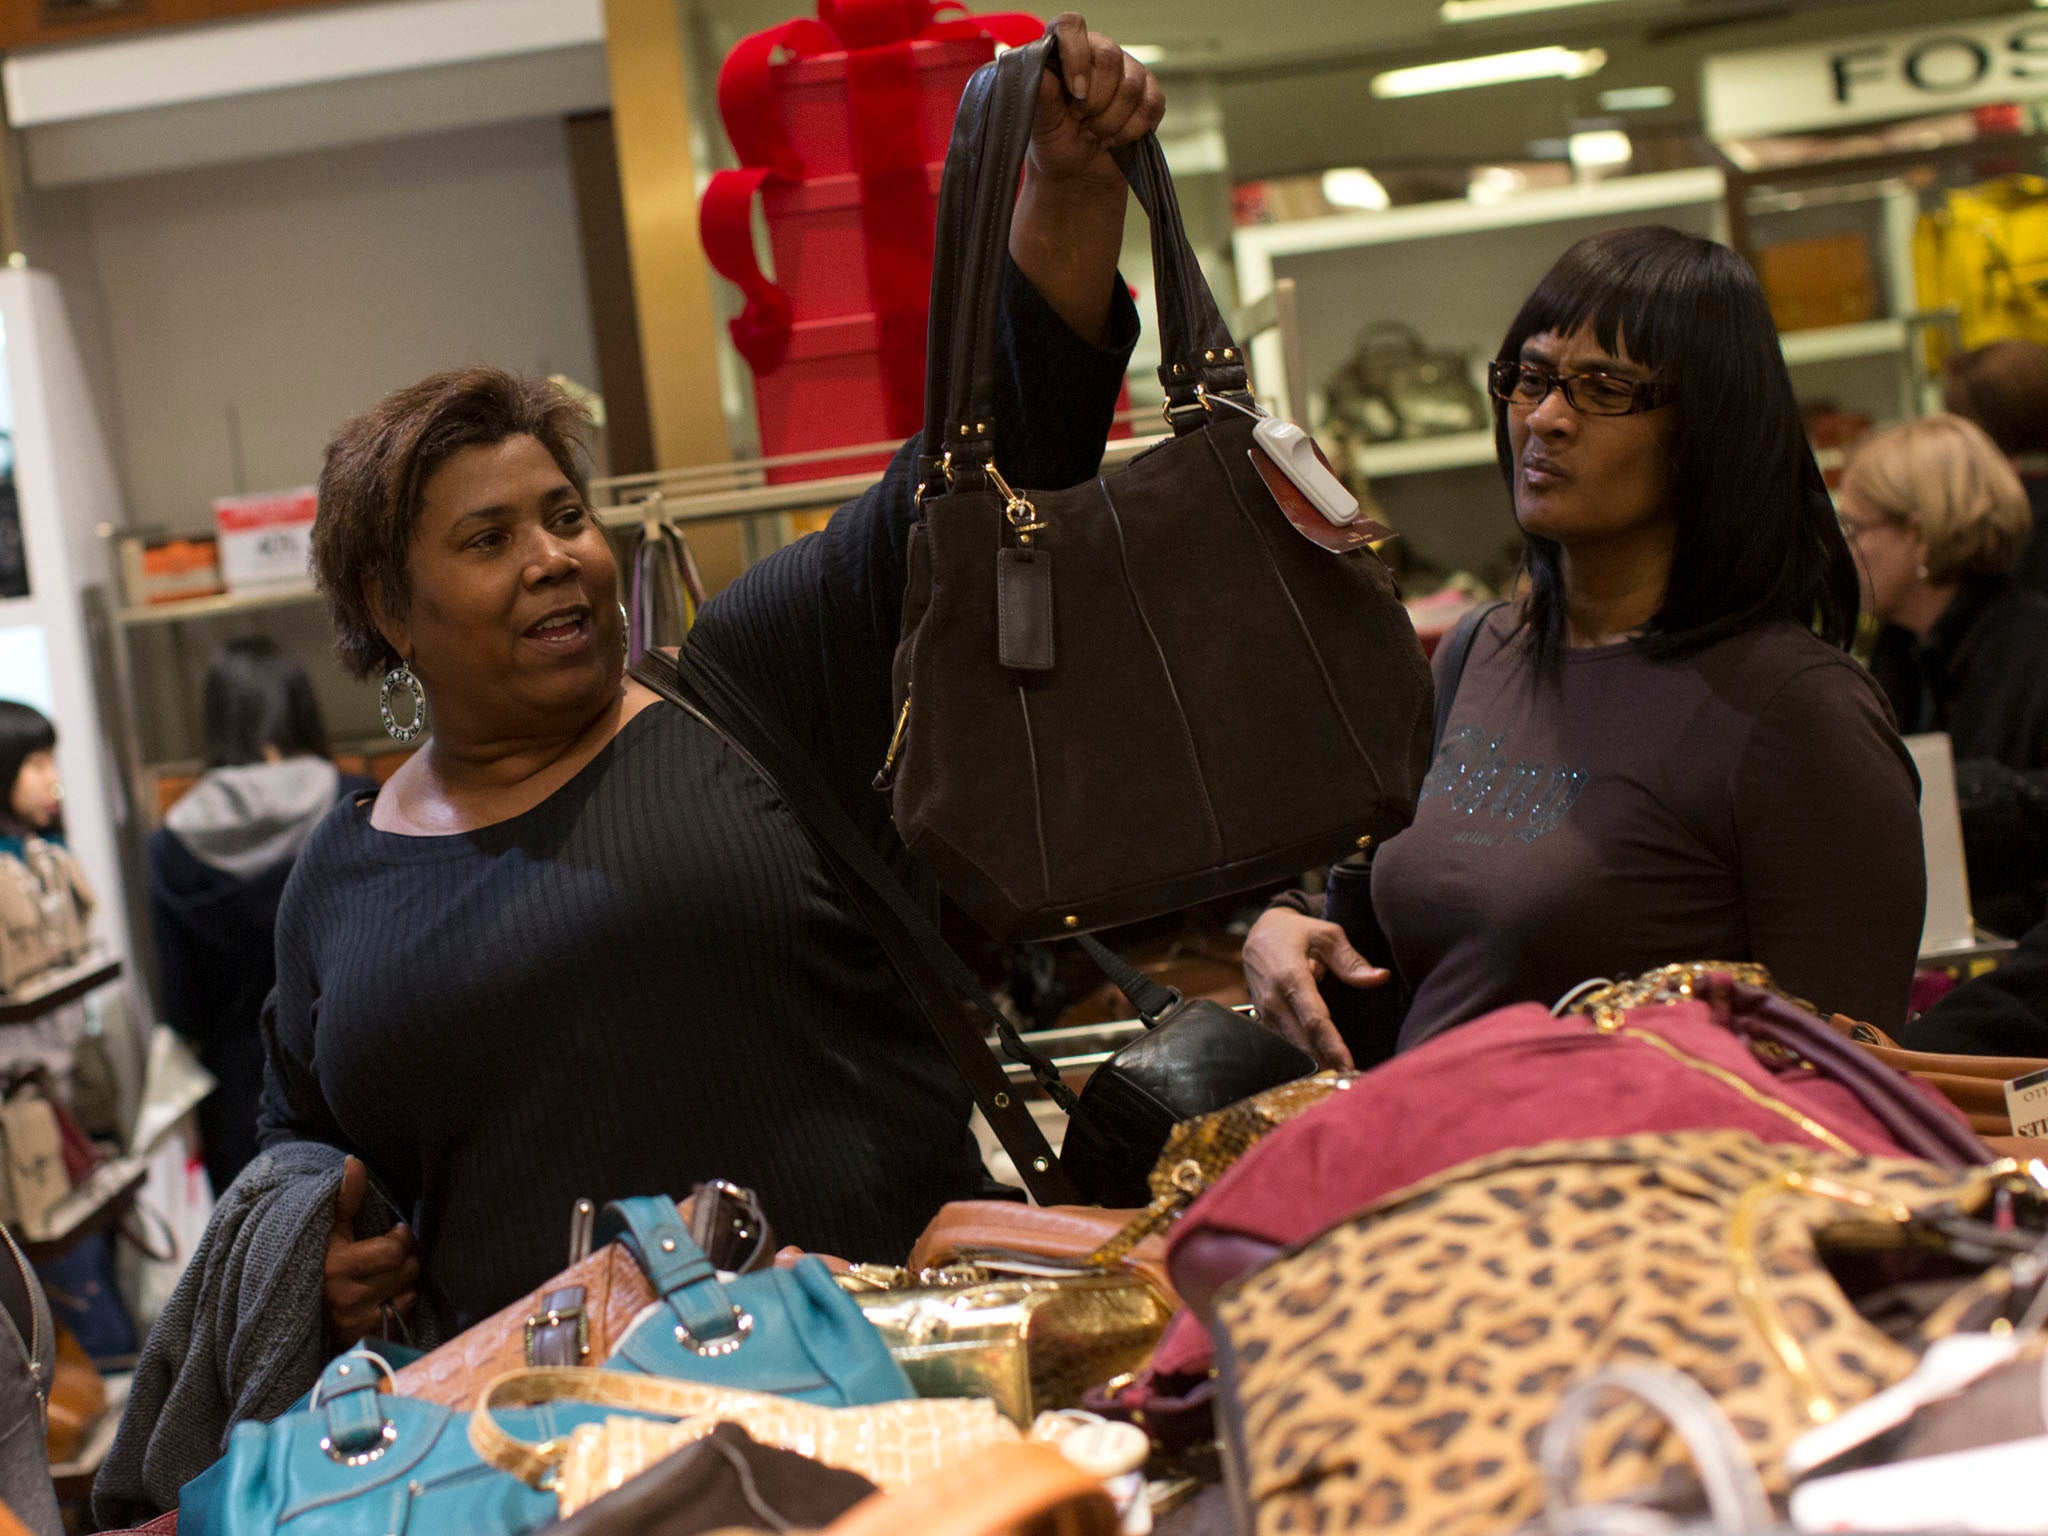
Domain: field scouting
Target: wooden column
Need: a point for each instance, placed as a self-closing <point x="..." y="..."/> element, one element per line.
<point x="644" y="46"/>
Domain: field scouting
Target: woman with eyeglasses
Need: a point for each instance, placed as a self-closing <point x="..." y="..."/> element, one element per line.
<point x="1661" y="751"/>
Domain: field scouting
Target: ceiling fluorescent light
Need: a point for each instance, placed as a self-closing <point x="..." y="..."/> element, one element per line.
<point x="1146" y="54"/>
<point x="1488" y="10"/>
<point x="1645" y="98"/>
<point x="1492" y="69"/>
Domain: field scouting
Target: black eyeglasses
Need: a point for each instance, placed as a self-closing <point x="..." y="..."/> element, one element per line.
<point x="1526" y="386"/>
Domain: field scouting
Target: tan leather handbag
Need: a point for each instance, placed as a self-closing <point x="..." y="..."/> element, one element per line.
<point x="1974" y="1084"/>
<point x="579" y="1316"/>
<point x="1001" y="1234"/>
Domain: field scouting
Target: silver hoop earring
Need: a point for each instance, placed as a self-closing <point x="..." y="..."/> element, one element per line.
<point x="399" y="677"/>
<point x="625" y="634"/>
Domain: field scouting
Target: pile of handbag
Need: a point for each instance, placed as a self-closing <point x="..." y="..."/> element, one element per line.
<point x="650" y="1388"/>
<point x="1684" y="1251"/>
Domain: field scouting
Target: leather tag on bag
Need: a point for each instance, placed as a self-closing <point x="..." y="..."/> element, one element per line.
<point x="1024" y="609"/>
<point x="1307" y="521"/>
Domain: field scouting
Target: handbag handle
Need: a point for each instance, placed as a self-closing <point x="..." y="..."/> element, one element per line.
<point x="977" y="196"/>
<point x="708" y="1320"/>
<point x="1735" y="1494"/>
<point x="1915" y="1122"/>
<point x="536" y="1465"/>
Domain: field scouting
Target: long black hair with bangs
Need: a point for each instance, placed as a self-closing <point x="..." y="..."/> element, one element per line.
<point x="1757" y="534"/>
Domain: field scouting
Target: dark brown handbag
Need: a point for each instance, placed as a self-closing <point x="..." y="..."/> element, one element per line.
<point x="1126" y="697"/>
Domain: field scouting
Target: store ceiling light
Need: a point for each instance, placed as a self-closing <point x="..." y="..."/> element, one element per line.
<point x="1646" y="98"/>
<point x="1599" y="149"/>
<point x="1147" y="54"/>
<point x="1353" y="186"/>
<point x="1489" y="10"/>
<point x="1490" y="69"/>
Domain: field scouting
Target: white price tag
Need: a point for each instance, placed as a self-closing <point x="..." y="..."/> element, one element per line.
<point x="2026" y="1104"/>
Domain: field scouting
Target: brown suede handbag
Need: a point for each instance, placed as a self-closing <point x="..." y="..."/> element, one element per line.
<point x="578" y="1317"/>
<point x="1151" y="689"/>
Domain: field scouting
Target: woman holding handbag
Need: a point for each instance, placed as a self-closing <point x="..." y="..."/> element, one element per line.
<point x="574" y="947"/>
<point x="1661" y="750"/>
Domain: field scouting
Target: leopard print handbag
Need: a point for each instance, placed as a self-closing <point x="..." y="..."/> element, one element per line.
<point x="1398" y="1370"/>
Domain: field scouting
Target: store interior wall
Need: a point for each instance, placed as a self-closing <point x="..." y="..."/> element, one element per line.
<point x="246" y="310"/>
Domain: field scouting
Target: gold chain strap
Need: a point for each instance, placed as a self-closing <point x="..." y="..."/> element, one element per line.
<point x="1676" y="983"/>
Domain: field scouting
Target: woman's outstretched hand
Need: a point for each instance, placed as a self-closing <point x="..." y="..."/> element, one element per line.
<point x="1285" y="955"/>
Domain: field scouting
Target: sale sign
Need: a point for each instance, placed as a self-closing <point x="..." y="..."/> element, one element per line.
<point x="266" y="540"/>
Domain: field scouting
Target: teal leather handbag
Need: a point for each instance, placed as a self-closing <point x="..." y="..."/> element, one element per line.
<point x="362" y="1462"/>
<point x="359" y="1461"/>
<point x="792" y="1332"/>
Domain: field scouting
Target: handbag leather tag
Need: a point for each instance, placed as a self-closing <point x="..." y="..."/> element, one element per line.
<point x="1302" y="513"/>
<point x="1024" y="609"/>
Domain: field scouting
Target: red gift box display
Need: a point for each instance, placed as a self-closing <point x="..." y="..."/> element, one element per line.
<point x="841" y="125"/>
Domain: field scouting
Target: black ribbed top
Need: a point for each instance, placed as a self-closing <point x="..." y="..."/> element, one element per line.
<point x="650" y="978"/>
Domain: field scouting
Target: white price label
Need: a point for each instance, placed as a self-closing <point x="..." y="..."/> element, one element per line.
<point x="2026" y="1104"/>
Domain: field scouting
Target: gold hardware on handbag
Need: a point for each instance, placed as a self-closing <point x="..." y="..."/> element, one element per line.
<point x="1027" y="1343"/>
<point x="890" y="1444"/>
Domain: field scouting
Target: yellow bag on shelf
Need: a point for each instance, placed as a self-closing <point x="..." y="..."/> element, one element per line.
<point x="1985" y="254"/>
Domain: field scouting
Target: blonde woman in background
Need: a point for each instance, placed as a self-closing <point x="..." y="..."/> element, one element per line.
<point x="1938" y="519"/>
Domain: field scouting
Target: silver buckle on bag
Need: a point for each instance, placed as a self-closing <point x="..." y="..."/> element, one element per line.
<point x="724" y="1344"/>
<point x="387" y="1436"/>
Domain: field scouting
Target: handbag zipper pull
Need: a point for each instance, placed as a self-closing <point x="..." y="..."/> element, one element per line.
<point x="887" y="776"/>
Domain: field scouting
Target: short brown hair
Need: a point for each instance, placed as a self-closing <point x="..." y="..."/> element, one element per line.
<point x="1944" y="476"/>
<point x="375" y="473"/>
<point x="2003" y="387"/>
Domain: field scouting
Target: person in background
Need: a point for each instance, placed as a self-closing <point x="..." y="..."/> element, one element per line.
<point x="45" y="901"/>
<point x="2003" y="387"/>
<point x="1652" y="755"/>
<point x="2003" y="1012"/>
<point x="1938" y="518"/>
<point x="217" y="869"/>
<point x="28" y="767"/>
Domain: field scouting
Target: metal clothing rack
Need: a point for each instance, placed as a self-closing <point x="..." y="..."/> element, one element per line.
<point x="712" y="493"/>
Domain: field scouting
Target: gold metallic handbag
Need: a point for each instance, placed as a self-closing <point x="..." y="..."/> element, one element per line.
<point x="1029" y="1343"/>
<point x="890" y="1444"/>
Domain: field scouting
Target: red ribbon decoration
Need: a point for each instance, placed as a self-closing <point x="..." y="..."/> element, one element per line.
<point x="897" y="210"/>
